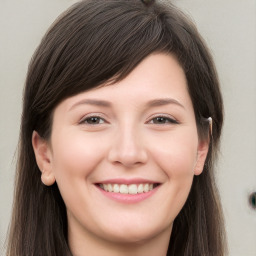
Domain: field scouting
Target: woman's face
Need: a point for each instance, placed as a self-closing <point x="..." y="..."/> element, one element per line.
<point x="124" y="155"/>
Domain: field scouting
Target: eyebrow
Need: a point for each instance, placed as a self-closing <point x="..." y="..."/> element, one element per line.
<point x="95" y="102"/>
<point x="107" y="104"/>
<point x="163" y="102"/>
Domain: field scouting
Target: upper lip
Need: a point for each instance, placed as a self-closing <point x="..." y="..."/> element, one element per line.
<point x="127" y="181"/>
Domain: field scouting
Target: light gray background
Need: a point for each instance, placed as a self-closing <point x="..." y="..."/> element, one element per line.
<point x="228" y="26"/>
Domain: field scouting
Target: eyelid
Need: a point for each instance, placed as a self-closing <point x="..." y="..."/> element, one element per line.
<point x="171" y="119"/>
<point x="98" y="115"/>
<point x="167" y="116"/>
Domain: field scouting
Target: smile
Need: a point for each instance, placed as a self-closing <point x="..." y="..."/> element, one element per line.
<point x="132" y="189"/>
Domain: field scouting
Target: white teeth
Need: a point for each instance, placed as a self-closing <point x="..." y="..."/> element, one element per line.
<point x="116" y="188"/>
<point x="132" y="189"/>
<point x="109" y="187"/>
<point x="146" y="188"/>
<point x="140" y="188"/>
<point x="124" y="189"/>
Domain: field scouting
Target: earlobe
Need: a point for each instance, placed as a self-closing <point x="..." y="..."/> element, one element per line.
<point x="47" y="178"/>
<point x="43" y="158"/>
<point x="202" y="152"/>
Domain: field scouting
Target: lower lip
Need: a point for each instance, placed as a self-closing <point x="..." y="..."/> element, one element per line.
<point x="128" y="198"/>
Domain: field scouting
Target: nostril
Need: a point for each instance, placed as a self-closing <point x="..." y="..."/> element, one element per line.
<point x="128" y="149"/>
<point x="128" y="159"/>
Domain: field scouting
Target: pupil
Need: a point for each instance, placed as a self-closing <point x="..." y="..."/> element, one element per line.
<point x="160" y="119"/>
<point x="94" y="120"/>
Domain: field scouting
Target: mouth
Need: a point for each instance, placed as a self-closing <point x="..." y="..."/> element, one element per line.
<point x="131" y="189"/>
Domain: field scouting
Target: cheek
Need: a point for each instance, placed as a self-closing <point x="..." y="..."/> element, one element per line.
<point x="178" y="165"/>
<point x="74" y="160"/>
<point x="176" y="155"/>
<point x="74" y="155"/>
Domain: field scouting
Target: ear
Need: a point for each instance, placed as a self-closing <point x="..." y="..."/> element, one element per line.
<point x="202" y="152"/>
<point x="43" y="156"/>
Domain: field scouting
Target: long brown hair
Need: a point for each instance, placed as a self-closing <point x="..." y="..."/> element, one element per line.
<point x="94" y="42"/>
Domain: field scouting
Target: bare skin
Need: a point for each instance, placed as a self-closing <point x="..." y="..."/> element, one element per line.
<point x="140" y="132"/>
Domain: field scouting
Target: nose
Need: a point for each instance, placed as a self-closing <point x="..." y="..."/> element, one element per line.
<point x="128" y="149"/>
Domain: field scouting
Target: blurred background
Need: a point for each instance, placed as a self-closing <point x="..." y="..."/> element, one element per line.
<point x="229" y="28"/>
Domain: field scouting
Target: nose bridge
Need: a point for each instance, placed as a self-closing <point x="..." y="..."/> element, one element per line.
<point x="128" y="148"/>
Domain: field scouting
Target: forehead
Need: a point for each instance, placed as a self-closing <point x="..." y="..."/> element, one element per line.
<point x="158" y="76"/>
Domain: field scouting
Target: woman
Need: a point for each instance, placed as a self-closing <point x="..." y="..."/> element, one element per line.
<point x="121" y="123"/>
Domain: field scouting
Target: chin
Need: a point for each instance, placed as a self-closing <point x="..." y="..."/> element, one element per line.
<point x="132" y="234"/>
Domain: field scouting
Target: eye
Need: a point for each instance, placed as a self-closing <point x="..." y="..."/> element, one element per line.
<point x="93" y="120"/>
<point x="163" y="120"/>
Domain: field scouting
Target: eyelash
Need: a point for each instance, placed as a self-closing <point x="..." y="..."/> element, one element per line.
<point x="100" y="120"/>
<point x="167" y="119"/>
<point x="86" y="119"/>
